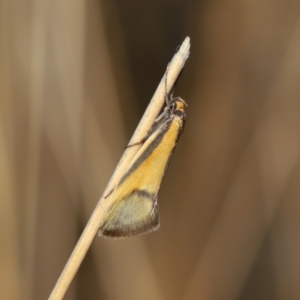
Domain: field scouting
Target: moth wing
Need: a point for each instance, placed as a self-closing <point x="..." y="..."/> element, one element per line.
<point x="135" y="214"/>
<point x="133" y="208"/>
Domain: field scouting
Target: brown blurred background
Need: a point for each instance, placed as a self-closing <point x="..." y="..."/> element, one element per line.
<point x="75" y="78"/>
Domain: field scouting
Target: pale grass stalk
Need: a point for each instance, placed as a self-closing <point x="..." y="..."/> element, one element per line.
<point x="90" y="231"/>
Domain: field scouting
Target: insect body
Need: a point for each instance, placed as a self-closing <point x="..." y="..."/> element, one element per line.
<point x="133" y="209"/>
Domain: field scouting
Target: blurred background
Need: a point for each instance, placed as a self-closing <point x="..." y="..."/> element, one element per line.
<point x="75" y="78"/>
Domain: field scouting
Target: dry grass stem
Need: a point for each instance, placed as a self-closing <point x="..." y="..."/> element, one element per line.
<point x="90" y="231"/>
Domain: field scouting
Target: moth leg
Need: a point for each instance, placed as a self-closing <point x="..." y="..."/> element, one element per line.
<point x="149" y="132"/>
<point x="143" y="140"/>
